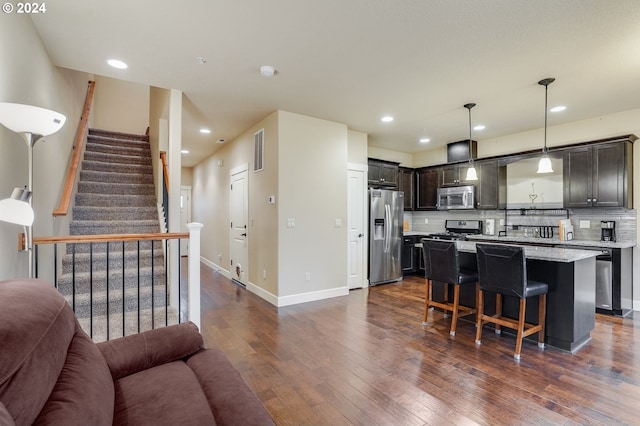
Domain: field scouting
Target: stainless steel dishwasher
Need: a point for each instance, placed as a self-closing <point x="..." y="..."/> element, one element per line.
<point x="604" y="280"/>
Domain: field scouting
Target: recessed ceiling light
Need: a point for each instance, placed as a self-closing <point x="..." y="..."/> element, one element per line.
<point x="425" y="140"/>
<point x="201" y="60"/>
<point x="221" y="140"/>
<point x="185" y="151"/>
<point x="479" y="127"/>
<point x="117" y="64"/>
<point x="387" y="119"/>
<point x="558" y="108"/>
<point x="205" y="131"/>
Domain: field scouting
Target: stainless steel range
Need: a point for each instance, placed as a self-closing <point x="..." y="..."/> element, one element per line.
<point x="458" y="230"/>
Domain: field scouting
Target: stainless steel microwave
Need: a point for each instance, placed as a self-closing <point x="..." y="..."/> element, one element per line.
<point x="456" y="198"/>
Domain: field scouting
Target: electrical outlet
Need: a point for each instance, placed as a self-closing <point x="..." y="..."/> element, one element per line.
<point x="264" y="274"/>
<point x="308" y="276"/>
<point x="585" y="224"/>
<point x="426" y="220"/>
<point x="291" y="223"/>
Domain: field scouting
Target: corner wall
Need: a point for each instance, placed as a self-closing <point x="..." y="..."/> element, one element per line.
<point x="28" y="76"/>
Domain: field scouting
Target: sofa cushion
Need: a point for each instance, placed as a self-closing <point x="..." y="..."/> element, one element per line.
<point x="84" y="393"/>
<point x="165" y="395"/>
<point x="36" y="327"/>
<point x="232" y="401"/>
<point x="5" y="417"/>
<point x="137" y="352"/>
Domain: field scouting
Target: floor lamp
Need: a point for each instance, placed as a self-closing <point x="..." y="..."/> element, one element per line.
<point x="32" y="123"/>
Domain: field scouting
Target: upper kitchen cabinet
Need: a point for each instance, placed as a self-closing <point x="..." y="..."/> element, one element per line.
<point x="406" y="184"/>
<point x="599" y="175"/>
<point x="427" y="188"/>
<point x="491" y="185"/>
<point x="383" y="173"/>
<point x="454" y="174"/>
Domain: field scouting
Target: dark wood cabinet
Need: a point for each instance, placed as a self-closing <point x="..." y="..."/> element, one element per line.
<point x="598" y="175"/>
<point x="406" y="184"/>
<point x="491" y="188"/>
<point x="408" y="255"/>
<point x="382" y="173"/>
<point x="454" y="175"/>
<point x="427" y="188"/>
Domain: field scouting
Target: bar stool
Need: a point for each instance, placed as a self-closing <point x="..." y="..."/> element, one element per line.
<point x="442" y="263"/>
<point x="502" y="269"/>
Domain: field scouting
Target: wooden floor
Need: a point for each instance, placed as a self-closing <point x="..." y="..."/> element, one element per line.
<point x="366" y="359"/>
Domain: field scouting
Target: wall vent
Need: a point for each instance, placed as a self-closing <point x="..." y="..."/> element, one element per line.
<point x="258" y="150"/>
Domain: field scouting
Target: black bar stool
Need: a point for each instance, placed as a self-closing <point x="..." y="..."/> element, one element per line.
<point x="502" y="269"/>
<point x="442" y="263"/>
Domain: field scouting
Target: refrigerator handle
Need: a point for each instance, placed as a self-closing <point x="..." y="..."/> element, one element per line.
<point x="387" y="236"/>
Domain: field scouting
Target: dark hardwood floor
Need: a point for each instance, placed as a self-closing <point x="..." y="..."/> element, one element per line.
<point x="366" y="359"/>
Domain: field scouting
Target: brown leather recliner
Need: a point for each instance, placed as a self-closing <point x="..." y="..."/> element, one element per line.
<point x="52" y="373"/>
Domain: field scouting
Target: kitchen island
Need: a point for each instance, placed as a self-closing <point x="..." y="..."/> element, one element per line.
<point x="571" y="276"/>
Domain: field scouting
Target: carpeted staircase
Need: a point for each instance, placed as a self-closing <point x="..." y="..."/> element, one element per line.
<point x="116" y="195"/>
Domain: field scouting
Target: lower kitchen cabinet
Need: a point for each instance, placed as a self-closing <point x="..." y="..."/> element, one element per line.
<point x="408" y="263"/>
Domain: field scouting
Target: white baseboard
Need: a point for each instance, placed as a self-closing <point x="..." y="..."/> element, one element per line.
<point x="293" y="299"/>
<point x="312" y="296"/>
<point x="636" y="305"/>
<point x="216" y="267"/>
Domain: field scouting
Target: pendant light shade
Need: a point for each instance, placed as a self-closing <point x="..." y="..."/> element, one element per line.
<point x="471" y="171"/>
<point x="544" y="165"/>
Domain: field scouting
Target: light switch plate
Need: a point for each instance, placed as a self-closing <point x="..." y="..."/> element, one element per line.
<point x="585" y="224"/>
<point x="291" y="223"/>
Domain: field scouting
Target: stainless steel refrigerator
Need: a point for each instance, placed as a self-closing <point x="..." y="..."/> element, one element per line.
<point x="386" y="210"/>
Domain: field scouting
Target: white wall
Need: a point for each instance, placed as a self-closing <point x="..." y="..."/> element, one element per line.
<point x="28" y="76"/>
<point x="313" y="191"/>
<point x="120" y="106"/>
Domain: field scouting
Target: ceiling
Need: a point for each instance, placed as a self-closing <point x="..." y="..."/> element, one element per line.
<point x="355" y="61"/>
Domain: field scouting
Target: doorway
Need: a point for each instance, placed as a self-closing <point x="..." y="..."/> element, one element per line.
<point x="356" y="224"/>
<point x="239" y="214"/>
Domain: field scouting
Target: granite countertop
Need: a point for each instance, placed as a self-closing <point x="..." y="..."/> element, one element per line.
<point x="552" y="254"/>
<point x="554" y="241"/>
<point x="533" y="240"/>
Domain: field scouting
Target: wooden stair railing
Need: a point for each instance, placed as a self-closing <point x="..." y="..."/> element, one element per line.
<point x="65" y="200"/>
<point x="165" y="168"/>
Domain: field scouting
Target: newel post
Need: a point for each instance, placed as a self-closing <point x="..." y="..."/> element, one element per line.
<point x="194" y="272"/>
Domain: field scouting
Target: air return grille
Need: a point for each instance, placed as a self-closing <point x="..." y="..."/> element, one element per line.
<point x="258" y="150"/>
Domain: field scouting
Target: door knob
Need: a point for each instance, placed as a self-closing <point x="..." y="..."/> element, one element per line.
<point x="360" y="235"/>
<point x="243" y="235"/>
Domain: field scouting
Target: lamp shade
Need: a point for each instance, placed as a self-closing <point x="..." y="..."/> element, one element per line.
<point x="471" y="173"/>
<point x="30" y="119"/>
<point x="544" y="165"/>
<point x="16" y="211"/>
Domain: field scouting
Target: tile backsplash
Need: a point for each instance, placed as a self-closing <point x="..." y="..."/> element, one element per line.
<point x="625" y="219"/>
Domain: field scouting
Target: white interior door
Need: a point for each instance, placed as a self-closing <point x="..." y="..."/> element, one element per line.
<point x="185" y="217"/>
<point x="357" y="224"/>
<point x="239" y="213"/>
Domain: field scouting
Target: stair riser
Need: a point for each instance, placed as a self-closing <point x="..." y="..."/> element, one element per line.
<point x="104" y="140"/>
<point x="82" y="305"/>
<point x="117" y="150"/>
<point x="97" y="166"/>
<point x="111" y="214"/>
<point x="115" y="248"/>
<point x="114" y="200"/>
<point x="84" y="283"/>
<point x="115" y="189"/>
<point x="107" y="177"/>
<point x="113" y="229"/>
<point x="117" y="135"/>
<point x="116" y="159"/>
<point x="82" y="263"/>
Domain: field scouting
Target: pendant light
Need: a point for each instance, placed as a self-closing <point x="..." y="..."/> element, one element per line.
<point x="471" y="171"/>
<point x="544" y="165"/>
